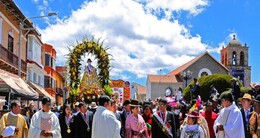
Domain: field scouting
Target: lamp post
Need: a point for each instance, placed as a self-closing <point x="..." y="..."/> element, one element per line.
<point x="186" y="75"/>
<point x="21" y="28"/>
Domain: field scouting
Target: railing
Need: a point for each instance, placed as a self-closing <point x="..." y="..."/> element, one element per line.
<point x="11" y="58"/>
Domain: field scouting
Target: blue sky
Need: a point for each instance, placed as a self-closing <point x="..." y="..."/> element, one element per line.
<point x="146" y="36"/>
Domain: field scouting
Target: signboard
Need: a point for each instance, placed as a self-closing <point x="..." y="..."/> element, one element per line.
<point x="240" y="74"/>
<point x="127" y="91"/>
<point x="121" y="90"/>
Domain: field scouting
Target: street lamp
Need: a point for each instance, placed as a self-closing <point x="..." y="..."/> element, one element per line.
<point x="186" y="75"/>
<point x="21" y="28"/>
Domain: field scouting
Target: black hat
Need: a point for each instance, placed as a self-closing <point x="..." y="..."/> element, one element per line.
<point x="134" y="103"/>
<point x="227" y="96"/>
<point x="127" y="102"/>
<point x="257" y="99"/>
<point x="89" y="60"/>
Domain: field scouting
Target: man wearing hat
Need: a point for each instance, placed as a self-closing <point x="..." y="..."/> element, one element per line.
<point x="213" y="91"/>
<point x="254" y="121"/>
<point x="93" y="107"/>
<point x="210" y="117"/>
<point x="229" y="123"/>
<point x="246" y="111"/>
<point x="163" y="123"/>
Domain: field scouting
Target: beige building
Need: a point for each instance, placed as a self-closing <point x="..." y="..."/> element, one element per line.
<point x="13" y="86"/>
<point x="10" y="18"/>
<point x="235" y="57"/>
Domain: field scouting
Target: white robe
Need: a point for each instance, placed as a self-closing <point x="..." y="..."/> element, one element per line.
<point x="35" y="127"/>
<point x="105" y="124"/>
<point x="234" y="127"/>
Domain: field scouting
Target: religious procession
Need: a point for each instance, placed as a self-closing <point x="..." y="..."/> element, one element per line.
<point x="226" y="115"/>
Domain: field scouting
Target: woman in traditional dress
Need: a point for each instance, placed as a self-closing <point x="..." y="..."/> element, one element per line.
<point x="148" y="117"/>
<point x="135" y="126"/>
<point x="192" y="129"/>
<point x="66" y="122"/>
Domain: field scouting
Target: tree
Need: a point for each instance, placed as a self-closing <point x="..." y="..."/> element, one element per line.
<point x="220" y="81"/>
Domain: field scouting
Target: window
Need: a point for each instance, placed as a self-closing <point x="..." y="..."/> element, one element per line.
<point x="39" y="80"/>
<point x="234" y="58"/>
<point x="35" y="77"/>
<point x="47" y="60"/>
<point x="53" y="65"/>
<point x="53" y="84"/>
<point x="10" y="43"/>
<point x="204" y="74"/>
<point x="29" y="75"/>
<point x="47" y="81"/>
<point x="242" y="59"/>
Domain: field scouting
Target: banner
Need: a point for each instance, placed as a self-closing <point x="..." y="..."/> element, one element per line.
<point x="239" y="74"/>
<point x="121" y="91"/>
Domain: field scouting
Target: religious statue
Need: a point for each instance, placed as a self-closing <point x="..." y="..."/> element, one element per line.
<point x="89" y="80"/>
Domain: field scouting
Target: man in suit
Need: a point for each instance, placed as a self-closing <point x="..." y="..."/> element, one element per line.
<point x="163" y="123"/>
<point x="83" y="122"/>
<point x="123" y="116"/>
<point x="246" y="113"/>
<point x="196" y="88"/>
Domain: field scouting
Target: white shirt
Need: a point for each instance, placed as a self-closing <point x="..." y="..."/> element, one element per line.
<point x="234" y="127"/>
<point x="105" y="124"/>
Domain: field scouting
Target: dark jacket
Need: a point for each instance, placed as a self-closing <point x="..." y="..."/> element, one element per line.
<point x="123" y="119"/>
<point x="81" y="127"/>
<point x="64" y="127"/>
<point x="157" y="132"/>
<point x="246" y="128"/>
<point x="196" y="90"/>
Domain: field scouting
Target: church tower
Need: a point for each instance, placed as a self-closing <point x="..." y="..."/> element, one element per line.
<point x="235" y="57"/>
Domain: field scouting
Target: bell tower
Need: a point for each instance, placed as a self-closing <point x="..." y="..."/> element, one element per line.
<point x="235" y="57"/>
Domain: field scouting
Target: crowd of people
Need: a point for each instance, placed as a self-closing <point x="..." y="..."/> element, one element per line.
<point x="222" y="116"/>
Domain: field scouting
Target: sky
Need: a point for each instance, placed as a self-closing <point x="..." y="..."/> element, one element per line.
<point x="148" y="36"/>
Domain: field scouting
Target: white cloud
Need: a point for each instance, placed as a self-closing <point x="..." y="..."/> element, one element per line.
<point x="129" y="31"/>
<point x="194" y="7"/>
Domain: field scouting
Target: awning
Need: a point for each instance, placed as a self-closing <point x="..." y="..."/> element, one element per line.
<point x="41" y="91"/>
<point x="18" y="86"/>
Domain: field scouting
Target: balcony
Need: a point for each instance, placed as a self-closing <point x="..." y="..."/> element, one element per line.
<point x="8" y="58"/>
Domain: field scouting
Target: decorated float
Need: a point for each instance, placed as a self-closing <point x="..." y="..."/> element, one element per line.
<point x="87" y="87"/>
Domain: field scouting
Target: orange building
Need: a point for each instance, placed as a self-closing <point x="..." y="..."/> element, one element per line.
<point x="49" y="59"/>
<point x="60" y="76"/>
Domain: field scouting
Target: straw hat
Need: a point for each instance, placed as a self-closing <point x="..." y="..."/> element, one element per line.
<point x="247" y="96"/>
<point x="93" y="105"/>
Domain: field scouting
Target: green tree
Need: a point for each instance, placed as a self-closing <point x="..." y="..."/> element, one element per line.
<point x="220" y="81"/>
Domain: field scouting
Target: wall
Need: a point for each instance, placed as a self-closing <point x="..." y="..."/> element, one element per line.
<point x="158" y="89"/>
<point x="8" y="25"/>
<point x="205" y="62"/>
